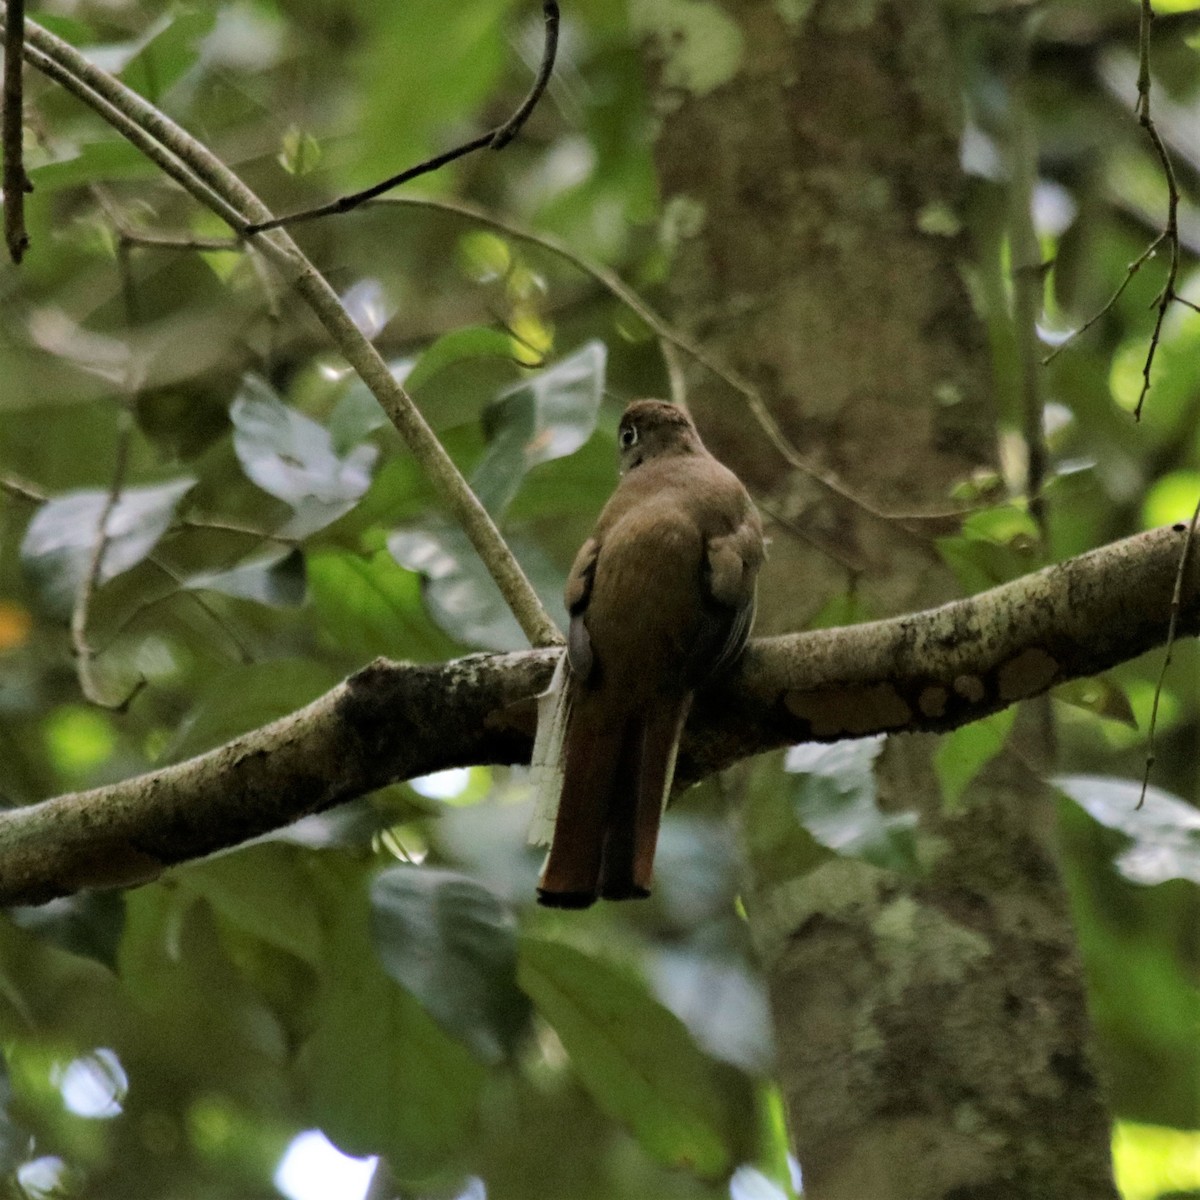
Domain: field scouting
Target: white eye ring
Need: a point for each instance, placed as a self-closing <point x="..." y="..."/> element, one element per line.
<point x="629" y="436"/>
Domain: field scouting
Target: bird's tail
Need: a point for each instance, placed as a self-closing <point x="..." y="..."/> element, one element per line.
<point x="638" y="802"/>
<point x="616" y="780"/>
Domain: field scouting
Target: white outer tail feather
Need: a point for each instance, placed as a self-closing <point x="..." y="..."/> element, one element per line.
<point x="547" y="765"/>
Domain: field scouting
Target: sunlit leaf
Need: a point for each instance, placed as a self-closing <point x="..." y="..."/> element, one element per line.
<point x="833" y="792"/>
<point x="61" y="539"/>
<point x="484" y="257"/>
<point x="1172" y="498"/>
<point x="1154" y="1163"/>
<point x="1165" y="830"/>
<point x="634" y="1056"/>
<point x="451" y="943"/>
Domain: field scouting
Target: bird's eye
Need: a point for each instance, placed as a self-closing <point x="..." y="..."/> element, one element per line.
<point x="629" y="436"/>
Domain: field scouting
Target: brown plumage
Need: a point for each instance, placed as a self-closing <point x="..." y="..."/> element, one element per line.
<point x="661" y="597"/>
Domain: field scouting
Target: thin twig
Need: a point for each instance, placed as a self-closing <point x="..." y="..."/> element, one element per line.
<point x="1172" y="625"/>
<point x="16" y="182"/>
<point x="1130" y="271"/>
<point x="205" y="177"/>
<point x="495" y="139"/>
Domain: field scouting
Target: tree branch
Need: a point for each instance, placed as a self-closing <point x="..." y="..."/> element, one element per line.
<point x="929" y="671"/>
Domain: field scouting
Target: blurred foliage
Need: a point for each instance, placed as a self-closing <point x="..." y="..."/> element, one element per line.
<point x="271" y="535"/>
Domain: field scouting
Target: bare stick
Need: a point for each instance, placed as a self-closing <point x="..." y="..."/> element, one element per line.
<point x="495" y="139"/>
<point x="16" y="182"/>
<point x="208" y="179"/>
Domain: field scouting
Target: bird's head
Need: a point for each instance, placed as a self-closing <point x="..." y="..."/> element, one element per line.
<point x="652" y="429"/>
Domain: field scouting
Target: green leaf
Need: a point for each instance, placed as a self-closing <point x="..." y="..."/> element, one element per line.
<point x="60" y="541"/>
<point x="263" y="890"/>
<point x="961" y="755"/>
<point x="370" y="606"/>
<point x="355" y="417"/>
<point x="89" y="923"/>
<point x="277" y="580"/>
<point x="832" y="790"/>
<point x="263" y="691"/>
<point x="476" y="341"/>
<point x="636" y="1058"/>
<point x="291" y="457"/>
<point x="450" y="942"/>
<point x="1165" y="830"/>
<point x="105" y="158"/>
<point x="384" y="1078"/>
<point x="186" y="1002"/>
<point x="460" y="594"/>
<point x="548" y="416"/>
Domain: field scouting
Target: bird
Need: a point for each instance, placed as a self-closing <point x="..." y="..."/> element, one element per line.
<point x="661" y="599"/>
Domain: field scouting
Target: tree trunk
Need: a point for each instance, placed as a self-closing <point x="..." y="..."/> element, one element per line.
<point x="932" y="1031"/>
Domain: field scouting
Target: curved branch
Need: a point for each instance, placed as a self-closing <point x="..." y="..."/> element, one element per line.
<point x="932" y="671"/>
